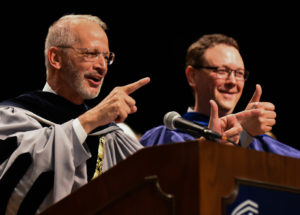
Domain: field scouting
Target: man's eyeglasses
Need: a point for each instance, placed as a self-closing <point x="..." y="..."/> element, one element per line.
<point x="225" y="72"/>
<point x="92" y="55"/>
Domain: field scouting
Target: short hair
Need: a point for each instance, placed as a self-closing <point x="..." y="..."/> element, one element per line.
<point x="196" y="51"/>
<point x="60" y="34"/>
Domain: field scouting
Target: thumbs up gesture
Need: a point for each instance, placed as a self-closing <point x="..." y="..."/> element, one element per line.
<point x="264" y="120"/>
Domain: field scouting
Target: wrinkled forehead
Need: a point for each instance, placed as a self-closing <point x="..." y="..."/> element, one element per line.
<point x="89" y="34"/>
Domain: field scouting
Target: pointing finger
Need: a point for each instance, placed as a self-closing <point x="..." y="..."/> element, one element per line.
<point x="264" y="105"/>
<point x="130" y="88"/>
<point x="247" y="114"/>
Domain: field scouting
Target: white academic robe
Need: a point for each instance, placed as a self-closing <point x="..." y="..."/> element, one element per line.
<point x="55" y="148"/>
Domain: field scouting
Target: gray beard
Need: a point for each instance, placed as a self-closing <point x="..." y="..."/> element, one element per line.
<point x="89" y="95"/>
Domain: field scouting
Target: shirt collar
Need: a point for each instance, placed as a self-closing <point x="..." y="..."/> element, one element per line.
<point x="48" y="89"/>
<point x="190" y="109"/>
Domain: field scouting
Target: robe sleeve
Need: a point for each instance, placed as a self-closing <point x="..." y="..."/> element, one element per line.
<point x="161" y="135"/>
<point x="118" y="145"/>
<point x="266" y="143"/>
<point x="39" y="152"/>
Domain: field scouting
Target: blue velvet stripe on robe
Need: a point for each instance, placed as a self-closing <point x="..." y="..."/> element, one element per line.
<point x="161" y="135"/>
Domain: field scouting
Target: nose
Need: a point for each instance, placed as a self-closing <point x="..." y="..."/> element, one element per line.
<point x="231" y="77"/>
<point x="100" y="62"/>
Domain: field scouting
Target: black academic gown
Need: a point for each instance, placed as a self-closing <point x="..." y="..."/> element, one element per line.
<point x="18" y="129"/>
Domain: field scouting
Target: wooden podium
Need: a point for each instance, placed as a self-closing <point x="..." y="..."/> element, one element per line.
<point x="181" y="178"/>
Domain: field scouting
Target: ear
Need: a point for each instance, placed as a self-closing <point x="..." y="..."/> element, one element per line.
<point x="190" y="74"/>
<point x="54" y="57"/>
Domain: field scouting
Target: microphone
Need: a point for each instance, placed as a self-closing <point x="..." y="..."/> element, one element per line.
<point x="173" y="120"/>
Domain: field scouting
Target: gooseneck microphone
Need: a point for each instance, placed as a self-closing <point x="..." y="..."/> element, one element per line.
<point x="173" y="120"/>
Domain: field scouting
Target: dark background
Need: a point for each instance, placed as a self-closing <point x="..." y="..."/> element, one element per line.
<point x="150" y="39"/>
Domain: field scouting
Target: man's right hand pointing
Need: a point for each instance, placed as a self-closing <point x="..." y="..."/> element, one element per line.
<point x="113" y="108"/>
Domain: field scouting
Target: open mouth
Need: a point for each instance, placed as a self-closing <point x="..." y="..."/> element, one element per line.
<point x="94" y="80"/>
<point x="227" y="92"/>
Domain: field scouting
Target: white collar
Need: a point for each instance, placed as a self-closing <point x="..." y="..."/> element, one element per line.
<point x="190" y="109"/>
<point x="48" y="89"/>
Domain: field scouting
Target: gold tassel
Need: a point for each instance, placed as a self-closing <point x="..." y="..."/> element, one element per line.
<point x="100" y="159"/>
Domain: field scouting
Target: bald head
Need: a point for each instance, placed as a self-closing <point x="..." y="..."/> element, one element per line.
<point x="61" y="32"/>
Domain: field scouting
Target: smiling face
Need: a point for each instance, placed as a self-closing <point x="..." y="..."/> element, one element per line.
<point x="79" y="77"/>
<point x="206" y="84"/>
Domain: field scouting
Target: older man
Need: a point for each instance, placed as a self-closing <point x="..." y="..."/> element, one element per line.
<point x="51" y="143"/>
